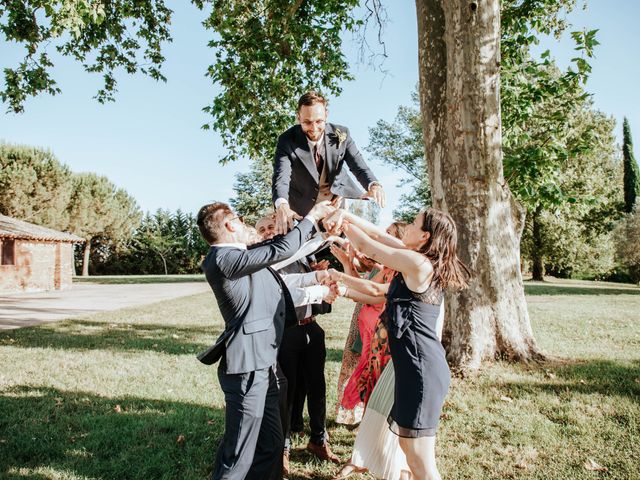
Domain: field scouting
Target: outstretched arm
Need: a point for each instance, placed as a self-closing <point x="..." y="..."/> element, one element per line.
<point x="310" y="295"/>
<point x="237" y="263"/>
<point x="367" y="287"/>
<point x="281" y="172"/>
<point x="414" y="266"/>
<point x="360" y="297"/>
<point x="280" y="189"/>
<point x="335" y="222"/>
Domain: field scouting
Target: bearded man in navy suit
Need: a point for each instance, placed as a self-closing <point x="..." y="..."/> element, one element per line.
<point x="309" y="165"/>
<point x="255" y="305"/>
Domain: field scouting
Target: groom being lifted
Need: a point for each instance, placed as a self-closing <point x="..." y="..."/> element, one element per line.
<point x="309" y="161"/>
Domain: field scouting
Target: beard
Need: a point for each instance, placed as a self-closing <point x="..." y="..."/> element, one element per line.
<point x="314" y="137"/>
<point x="251" y="236"/>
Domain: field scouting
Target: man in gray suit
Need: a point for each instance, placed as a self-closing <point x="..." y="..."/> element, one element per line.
<point x="255" y="305"/>
<point x="309" y="161"/>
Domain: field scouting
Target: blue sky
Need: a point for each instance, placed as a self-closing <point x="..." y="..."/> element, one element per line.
<point x="150" y="142"/>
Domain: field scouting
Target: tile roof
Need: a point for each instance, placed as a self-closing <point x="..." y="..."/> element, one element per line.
<point x="14" y="228"/>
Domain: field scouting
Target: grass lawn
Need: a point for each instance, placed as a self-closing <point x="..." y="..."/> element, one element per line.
<point x="120" y="395"/>
<point x="129" y="279"/>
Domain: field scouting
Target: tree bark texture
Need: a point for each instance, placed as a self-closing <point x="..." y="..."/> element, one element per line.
<point x="85" y="259"/>
<point x="459" y="63"/>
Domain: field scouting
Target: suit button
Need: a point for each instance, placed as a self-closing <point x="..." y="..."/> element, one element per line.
<point x="279" y="290"/>
<point x="282" y="314"/>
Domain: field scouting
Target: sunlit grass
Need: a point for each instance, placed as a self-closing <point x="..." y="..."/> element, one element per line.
<point x="121" y="395"/>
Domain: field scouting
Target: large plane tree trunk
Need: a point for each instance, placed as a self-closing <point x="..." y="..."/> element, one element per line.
<point x="459" y="62"/>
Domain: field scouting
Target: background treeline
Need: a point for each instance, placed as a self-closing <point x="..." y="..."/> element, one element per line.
<point x="163" y="243"/>
<point x="119" y="239"/>
<point x="577" y="189"/>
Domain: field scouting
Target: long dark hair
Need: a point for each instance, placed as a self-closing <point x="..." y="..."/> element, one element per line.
<point x="441" y="250"/>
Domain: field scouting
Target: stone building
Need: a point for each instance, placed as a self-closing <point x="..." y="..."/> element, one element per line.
<point x="34" y="258"/>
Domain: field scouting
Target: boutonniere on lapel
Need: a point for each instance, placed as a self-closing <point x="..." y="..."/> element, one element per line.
<point x="341" y="136"/>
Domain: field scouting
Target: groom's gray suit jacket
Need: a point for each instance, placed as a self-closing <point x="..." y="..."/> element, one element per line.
<point x="295" y="175"/>
<point x="253" y="300"/>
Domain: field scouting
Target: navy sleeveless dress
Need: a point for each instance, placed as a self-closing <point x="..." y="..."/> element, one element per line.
<point x="422" y="374"/>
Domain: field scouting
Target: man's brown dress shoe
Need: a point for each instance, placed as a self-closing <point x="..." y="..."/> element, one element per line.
<point x="323" y="452"/>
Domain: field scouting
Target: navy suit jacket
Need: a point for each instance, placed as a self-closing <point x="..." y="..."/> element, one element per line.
<point x="295" y="175"/>
<point x="253" y="300"/>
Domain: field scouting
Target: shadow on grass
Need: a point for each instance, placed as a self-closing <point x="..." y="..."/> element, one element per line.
<point x="88" y="335"/>
<point x="83" y="434"/>
<point x="334" y="355"/>
<point x="541" y="289"/>
<point x="133" y="279"/>
<point x="603" y="377"/>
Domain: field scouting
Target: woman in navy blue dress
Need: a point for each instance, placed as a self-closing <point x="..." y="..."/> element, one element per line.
<point x="427" y="264"/>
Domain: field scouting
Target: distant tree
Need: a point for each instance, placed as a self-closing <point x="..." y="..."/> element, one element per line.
<point x="164" y="243"/>
<point x="253" y="191"/>
<point x="400" y="144"/>
<point x="98" y="210"/>
<point x="191" y="246"/>
<point x="571" y="235"/>
<point x="365" y="209"/>
<point x="554" y="160"/>
<point x="631" y="169"/>
<point x="124" y="35"/>
<point x="627" y="237"/>
<point x="34" y="186"/>
<point x="156" y="237"/>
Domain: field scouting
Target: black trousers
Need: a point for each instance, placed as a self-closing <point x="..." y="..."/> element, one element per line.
<point x="252" y="440"/>
<point x="302" y="357"/>
<point x="300" y="397"/>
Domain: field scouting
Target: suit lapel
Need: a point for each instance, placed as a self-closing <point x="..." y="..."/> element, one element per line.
<point x="304" y="154"/>
<point x="331" y="151"/>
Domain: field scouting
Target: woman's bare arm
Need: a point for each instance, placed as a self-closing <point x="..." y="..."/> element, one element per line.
<point x="414" y="266"/>
<point x="360" y="297"/>
<point x="367" y="287"/>
<point x="336" y="220"/>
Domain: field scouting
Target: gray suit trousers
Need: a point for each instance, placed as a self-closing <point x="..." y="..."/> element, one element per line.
<point x="253" y="439"/>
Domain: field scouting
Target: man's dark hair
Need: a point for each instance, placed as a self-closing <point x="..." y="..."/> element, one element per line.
<point x="211" y="220"/>
<point x="311" y="98"/>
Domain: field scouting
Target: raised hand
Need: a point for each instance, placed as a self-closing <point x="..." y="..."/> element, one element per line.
<point x="341" y="255"/>
<point x="376" y="193"/>
<point x="284" y="218"/>
<point x="334" y="222"/>
<point x="334" y="275"/>
<point x="343" y="242"/>
<point x="322" y="276"/>
<point x="322" y="210"/>
<point x="331" y="294"/>
<point x="321" y="265"/>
